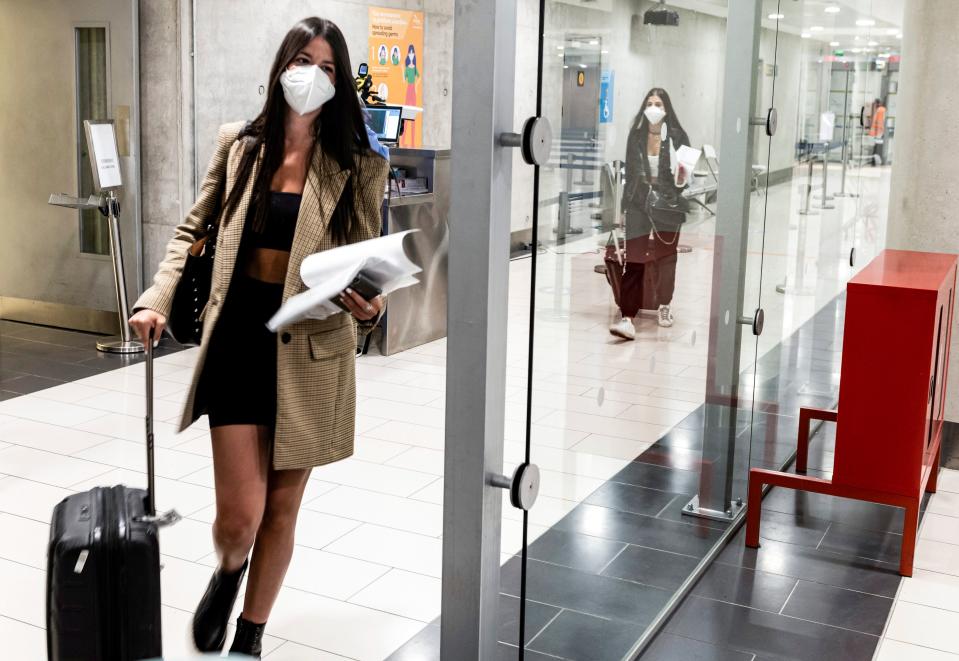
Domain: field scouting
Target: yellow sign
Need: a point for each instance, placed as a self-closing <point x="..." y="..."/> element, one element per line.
<point x="580" y="78"/>
<point x="396" y="64"/>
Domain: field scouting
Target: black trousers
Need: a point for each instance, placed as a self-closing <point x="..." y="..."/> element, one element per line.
<point x="648" y="242"/>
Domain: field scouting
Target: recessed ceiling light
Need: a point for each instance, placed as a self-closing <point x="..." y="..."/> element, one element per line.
<point x="583" y="66"/>
<point x="832" y="9"/>
<point x="561" y="48"/>
<point x="594" y="42"/>
<point x="805" y="35"/>
<point x="566" y="66"/>
<point x="855" y="50"/>
<point x="899" y="36"/>
<point x="873" y="43"/>
<point x="833" y="43"/>
<point x="776" y="17"/>
<point x="817" y="28"/>
<point x="892" y="31"/>
<point x="865" y="22"/>
<point x="869" y="50"/>
<point x="858" y="38"/>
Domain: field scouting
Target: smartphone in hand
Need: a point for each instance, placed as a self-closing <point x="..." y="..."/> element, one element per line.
<point x="362" y="286"/>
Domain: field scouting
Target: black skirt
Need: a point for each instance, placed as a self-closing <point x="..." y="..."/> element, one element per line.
<point x="238" y="384"/>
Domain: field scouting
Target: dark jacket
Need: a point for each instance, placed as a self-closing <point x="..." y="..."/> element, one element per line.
<point x="638" y="179"/>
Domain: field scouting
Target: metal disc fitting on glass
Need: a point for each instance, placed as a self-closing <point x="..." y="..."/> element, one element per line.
<point x="757" y="321"/>
<point x="536" y="140"/>
<point x="770" y="121"/>
<point x="523" y="486"/>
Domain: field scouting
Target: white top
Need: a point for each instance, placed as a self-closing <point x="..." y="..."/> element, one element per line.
<point x="653" y="165"/>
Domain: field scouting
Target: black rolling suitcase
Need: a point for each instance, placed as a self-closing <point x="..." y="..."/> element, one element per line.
<point x="103" y="569"/>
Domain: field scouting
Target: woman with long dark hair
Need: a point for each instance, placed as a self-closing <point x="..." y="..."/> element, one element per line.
<point x="654" y="211"/>
<point x="298" y="179"/>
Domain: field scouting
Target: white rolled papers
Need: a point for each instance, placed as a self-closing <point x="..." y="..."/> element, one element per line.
<point x="328" y="273"/>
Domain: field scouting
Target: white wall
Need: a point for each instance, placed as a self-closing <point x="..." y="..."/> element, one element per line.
<point x="237" y="40"/>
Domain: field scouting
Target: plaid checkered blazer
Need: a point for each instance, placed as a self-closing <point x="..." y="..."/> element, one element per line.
<point x="316" y="381"/>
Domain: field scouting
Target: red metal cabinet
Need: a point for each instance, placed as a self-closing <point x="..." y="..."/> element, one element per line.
<point x="891" y="393"/>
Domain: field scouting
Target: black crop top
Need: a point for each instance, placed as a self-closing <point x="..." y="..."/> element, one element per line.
<point x="280" y="225"/>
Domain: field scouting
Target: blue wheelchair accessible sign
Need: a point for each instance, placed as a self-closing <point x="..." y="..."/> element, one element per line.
<point x="606" y="85"/>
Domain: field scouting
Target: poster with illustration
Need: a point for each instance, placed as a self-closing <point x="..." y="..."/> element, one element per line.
<point x="400" y="73"/>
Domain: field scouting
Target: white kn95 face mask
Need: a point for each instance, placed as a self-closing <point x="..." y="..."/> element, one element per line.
<point x="306" y="88"/>
<point x="654" y="114"/>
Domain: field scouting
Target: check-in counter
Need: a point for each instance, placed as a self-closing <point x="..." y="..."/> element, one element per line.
<point x="417" y="315"/>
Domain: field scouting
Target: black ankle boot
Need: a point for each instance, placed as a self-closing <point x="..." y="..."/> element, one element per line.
<point x="248" y="639"/>
<point x="213" y="612"/>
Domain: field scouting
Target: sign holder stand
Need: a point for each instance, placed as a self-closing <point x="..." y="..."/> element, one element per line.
<point x="105" y="164"/>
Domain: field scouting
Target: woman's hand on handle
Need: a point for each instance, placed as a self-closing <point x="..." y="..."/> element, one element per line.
<point x="144" y="320"/>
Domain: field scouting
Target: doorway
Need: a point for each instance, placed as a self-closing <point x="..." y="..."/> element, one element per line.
<point x="55" y="265"/>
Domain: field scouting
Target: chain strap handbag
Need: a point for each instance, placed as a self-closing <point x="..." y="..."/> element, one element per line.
<point x="185" y="323"/>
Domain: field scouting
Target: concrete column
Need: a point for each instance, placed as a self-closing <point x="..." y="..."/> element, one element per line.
<point x="924" y="200"/>
<point x="166" y="123"/>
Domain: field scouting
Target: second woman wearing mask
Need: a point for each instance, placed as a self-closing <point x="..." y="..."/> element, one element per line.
<point x="654" y="210"/>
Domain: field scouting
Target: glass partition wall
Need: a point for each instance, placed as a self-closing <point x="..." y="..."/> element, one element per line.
<point x="680" y="248"/>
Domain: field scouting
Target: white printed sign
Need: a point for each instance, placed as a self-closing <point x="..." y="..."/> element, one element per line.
<point x="103" y="150"/>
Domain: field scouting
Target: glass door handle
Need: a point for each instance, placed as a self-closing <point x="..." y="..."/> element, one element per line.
<point x="523" y="486"/>
<point x="757" y="321"/>
<point x="536" y="140"/>
<point x="770" y="121"/>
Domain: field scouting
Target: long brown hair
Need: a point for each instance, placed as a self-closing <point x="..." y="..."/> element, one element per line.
<point x="338" y="130"/>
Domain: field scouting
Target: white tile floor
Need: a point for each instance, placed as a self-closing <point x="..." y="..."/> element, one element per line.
<point x="925" y="617"/>
<point x="366" y="569"/>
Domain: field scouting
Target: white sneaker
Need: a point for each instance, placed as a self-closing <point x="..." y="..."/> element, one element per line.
<point x="665" y="316"/>
<point x="624" y="329"/>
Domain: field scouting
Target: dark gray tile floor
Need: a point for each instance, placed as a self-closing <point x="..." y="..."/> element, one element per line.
<point x="36" y="357"/>
<point x="821" y="586"/>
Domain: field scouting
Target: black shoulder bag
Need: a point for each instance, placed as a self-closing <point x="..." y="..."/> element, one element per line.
<point x="193" y="291"/>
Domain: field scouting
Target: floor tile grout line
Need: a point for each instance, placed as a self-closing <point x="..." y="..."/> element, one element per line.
<point x="944" y="609"/>
<point x="545" y="626"/>
<point x="611" y="560"/>
<point x="546" y="654"/>
<point x="825" y="532"/>
<point x="57" y="486"/>
<point x="25" y="565"/>
<point x="29" y="624"/>
<point x="925" y="647"/>
<point x="786" y="603"/>
<point x="667" y="506"/>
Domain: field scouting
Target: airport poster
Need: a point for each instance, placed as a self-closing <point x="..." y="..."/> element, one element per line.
<point x="396" y="63"/>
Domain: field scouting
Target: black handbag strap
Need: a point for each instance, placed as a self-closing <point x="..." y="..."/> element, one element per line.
<point x="213" y="220"/>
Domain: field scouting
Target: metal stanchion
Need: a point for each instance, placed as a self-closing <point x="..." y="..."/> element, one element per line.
<point x="124" y="343"/>
<point x="846" y="153"/>
<point x="806" y="210"/>
<point x="825" y="181"/>
<point x="105" y="167"/>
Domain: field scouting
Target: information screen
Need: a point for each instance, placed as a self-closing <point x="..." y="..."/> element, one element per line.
<point x="385" y="122"/>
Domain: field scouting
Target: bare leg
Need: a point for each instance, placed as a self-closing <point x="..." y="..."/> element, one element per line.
<point x="241" y="459"/>
<point x="274" y="542"/>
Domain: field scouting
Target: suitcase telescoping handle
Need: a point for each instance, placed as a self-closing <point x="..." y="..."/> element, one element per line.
<point x="171" y="517"/>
